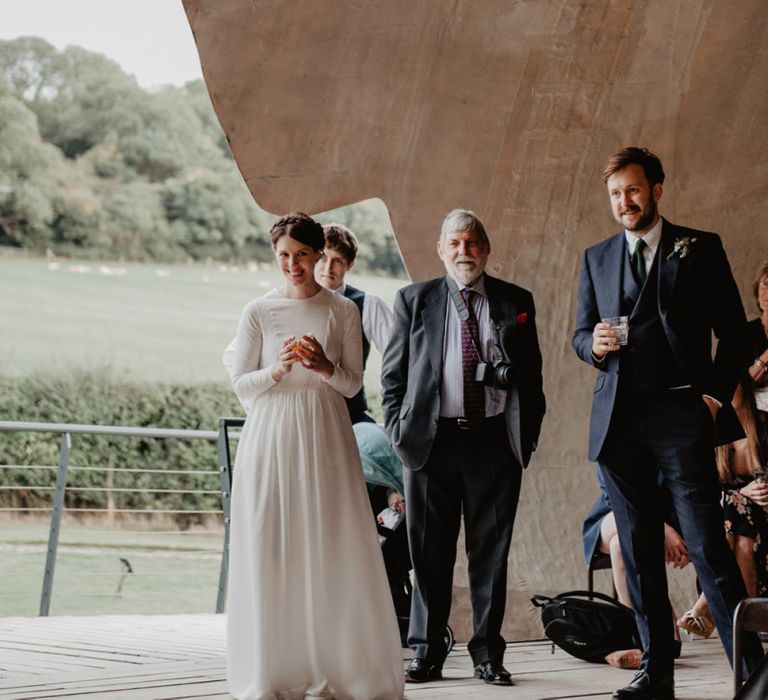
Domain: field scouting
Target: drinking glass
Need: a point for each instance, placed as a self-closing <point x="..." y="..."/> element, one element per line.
<point x="620" y="327"/>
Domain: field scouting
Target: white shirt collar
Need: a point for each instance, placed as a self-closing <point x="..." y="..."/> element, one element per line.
<point x="651" y="238"/>
<point x="478" y="286"/>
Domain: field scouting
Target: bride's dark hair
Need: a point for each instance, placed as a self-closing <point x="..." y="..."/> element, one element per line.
<point x="300" y="227"/>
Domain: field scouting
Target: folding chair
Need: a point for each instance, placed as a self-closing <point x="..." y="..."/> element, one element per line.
<point x="599" y="561"/>
<point x="751" y="616"/>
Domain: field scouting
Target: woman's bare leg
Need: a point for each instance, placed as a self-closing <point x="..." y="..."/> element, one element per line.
<point x="744" y="549"/>
<point x="609" y="544"/>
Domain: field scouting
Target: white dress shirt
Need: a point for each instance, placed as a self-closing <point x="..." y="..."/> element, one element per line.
<point x="652" y="239"/>
<point x="377" y="319"/>
<point x="452" y="391"/>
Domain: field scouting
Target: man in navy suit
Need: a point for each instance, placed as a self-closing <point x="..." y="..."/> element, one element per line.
<point x="464" y="437"/>
<point x="661" y="402"/>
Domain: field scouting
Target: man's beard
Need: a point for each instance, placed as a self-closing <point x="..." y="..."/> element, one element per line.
<point x="646" y="219"/>
<point x="461" y="273"/>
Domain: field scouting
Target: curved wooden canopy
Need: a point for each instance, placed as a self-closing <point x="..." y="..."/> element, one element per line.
<point x="505" y="107"/>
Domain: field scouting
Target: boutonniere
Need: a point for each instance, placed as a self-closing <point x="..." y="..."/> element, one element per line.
<point x="523" y="317"/>
<point x="682" y="247"/>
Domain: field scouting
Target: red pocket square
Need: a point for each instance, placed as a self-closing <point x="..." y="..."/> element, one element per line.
<point x="523" y="317"/>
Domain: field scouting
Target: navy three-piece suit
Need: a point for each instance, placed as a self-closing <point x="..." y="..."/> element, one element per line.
<point x="649" y="417"/>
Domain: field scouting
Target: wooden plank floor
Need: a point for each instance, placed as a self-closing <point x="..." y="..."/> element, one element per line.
<point x="150" y="657"/>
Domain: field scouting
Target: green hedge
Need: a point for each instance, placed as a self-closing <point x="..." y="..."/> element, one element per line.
<point x="99" y="398"/>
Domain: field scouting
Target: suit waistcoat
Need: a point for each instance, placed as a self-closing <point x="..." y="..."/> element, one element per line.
<point x="647" y="363"/>
<point x="358" y="405"/>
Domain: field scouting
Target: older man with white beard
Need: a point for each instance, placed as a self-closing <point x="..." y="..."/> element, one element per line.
<point x="463" y="405"/>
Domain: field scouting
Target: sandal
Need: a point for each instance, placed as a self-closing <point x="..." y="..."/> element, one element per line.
<point x="698" y="625"/>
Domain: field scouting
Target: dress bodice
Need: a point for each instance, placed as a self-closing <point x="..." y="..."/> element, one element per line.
<point x="266" y="322"/>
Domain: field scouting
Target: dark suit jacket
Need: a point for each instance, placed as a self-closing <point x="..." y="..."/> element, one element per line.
<point x="696" y="297"/>
<point x="413" y="364"/>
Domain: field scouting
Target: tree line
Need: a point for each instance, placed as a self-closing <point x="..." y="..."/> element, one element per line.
<point x="94" y="166"/>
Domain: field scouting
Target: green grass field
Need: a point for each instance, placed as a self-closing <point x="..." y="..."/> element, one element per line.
<point x="140" y="321"/>
<point x="173" y="572"/>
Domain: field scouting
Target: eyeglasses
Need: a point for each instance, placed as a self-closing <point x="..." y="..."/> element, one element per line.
<point x="762" y="285"/>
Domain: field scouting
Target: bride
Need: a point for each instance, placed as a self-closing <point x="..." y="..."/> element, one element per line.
<point x="309" y="612"/>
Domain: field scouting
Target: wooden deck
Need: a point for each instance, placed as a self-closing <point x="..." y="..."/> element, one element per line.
<point x="183" y="656"/>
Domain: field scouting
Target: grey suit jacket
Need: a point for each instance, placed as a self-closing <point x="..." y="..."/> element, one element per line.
<point x="413" y="364"/>
<point x="697" y="296"/>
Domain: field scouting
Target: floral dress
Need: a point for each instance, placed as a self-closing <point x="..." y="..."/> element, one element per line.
<point x="743" y="518"/>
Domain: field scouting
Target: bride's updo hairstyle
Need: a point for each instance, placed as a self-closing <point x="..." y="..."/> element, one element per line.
<point x="301" y="227"/>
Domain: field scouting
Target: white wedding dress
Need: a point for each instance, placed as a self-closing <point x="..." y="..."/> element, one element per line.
<point x="309" y="611"/>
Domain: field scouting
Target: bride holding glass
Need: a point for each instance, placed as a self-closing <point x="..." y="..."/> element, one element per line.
<point x="309" y="609"/>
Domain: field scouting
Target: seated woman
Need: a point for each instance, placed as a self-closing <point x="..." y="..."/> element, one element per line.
<point x="599" y="534"/>
<point x="745" y="498"/>
<point x="383" y="474"/>
<point x="741" y="466"/>
<point x="758" y="370"/>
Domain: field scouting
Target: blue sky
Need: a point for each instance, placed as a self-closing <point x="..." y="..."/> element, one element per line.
<point x="149" y="38"/>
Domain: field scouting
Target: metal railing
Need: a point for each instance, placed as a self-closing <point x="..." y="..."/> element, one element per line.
<point x="223" y="437"/>
<point x="225" y="469"/>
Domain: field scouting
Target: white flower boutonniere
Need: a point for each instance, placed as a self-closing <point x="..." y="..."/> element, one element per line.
<point x="682" y="247"/>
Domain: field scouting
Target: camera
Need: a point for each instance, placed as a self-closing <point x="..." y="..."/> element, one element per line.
<point x="499" y="374"/>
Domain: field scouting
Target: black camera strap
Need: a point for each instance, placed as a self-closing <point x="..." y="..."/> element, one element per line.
<point x="461" y="308"/>
<point x="458" y="300"/>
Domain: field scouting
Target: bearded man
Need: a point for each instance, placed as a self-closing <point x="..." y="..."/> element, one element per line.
<point x="463" y="405"/>
<point x="662" y="402"/>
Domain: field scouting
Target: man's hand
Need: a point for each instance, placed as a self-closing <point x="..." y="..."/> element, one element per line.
<point x="712" y="405"/>
<point x="675" y="549"/>
<point x="603" y="341"/>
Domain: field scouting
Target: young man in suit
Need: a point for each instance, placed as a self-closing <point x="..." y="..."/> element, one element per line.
<point x="661" y="402"/>
<point x="463" y="405"/>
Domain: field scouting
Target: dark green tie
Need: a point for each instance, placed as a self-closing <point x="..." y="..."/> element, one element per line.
<point x="638" y="262"/>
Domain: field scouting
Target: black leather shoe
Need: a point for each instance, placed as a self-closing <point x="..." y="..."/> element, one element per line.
<point x="421" y="671"/>
<point x="643" y="688"/>
<point x="493" y="672"/>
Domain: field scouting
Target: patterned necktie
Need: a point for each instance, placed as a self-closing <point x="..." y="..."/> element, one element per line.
<point x="474" y="392"/>
<point x="638" y="262"/>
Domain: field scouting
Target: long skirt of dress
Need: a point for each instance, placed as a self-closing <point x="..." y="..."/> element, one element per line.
<point x="310" y="613"/>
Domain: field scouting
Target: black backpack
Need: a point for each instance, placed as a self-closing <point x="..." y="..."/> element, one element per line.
<point x="588" y="625"/>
